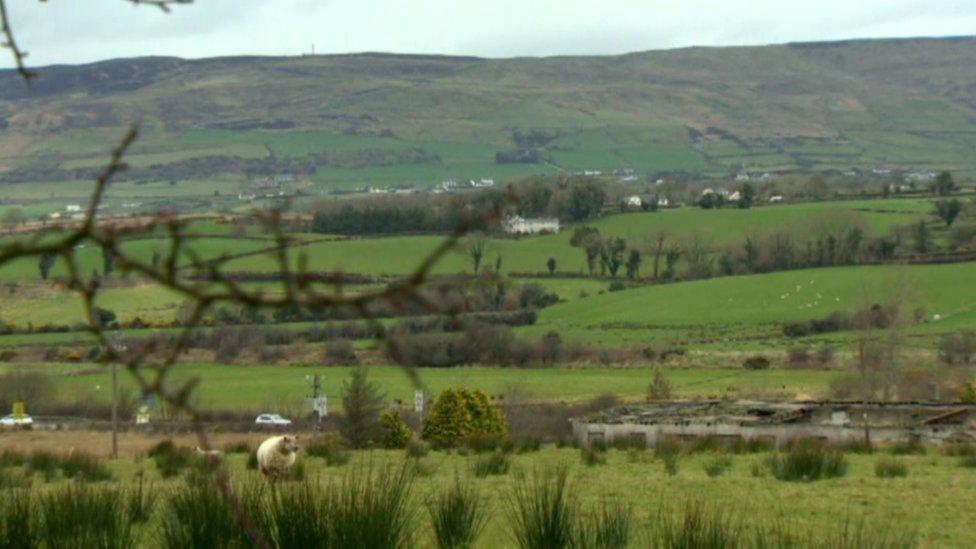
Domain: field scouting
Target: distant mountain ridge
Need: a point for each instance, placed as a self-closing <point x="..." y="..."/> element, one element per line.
<point x="831" y="105"/>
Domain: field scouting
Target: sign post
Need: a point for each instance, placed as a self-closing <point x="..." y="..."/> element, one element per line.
<point x="115" y="411"/>
<point x="118" y="347"/>
<point x="318" y="402"/>
<point x="322" y="406"/>
<point x="418" y="404"/>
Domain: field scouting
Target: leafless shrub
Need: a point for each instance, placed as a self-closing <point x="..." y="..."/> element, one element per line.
<point x="958" y="348"/>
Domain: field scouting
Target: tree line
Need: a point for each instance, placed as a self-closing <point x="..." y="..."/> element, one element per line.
<point x="570" y="199"/>
<point x="830" y="239"/>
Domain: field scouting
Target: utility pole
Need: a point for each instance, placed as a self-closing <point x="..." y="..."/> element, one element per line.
<point x="117" y="348"/>
<point x="317" y="406"/>
<point x="115" y="410"/>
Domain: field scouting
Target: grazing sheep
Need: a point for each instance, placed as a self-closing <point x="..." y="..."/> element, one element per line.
<point x="209" y="455"/>
<point x="276" y="455"/>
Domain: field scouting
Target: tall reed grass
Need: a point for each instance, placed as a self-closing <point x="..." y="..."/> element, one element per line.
<point x="457" y="516"/>
<point x="808" y="460"/>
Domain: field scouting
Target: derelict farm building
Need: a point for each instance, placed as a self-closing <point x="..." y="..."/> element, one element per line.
<point x="779" y="422"/>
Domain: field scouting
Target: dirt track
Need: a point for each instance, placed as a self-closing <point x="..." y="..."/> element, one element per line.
<point x="99" y="443"/>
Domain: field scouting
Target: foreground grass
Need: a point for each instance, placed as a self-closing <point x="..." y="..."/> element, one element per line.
<point x="933" y="502"/>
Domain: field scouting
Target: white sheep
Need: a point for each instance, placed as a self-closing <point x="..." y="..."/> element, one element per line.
<point x="209" y="455"/>
<point x="276" y="455"/>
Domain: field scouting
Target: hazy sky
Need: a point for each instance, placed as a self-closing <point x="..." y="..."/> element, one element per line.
<point x="77" y="31"/>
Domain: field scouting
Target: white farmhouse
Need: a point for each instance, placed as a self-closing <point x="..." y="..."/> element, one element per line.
<point x="723" y="192"/>
<point x="520" y="225"/>
<point x="633" y="201"/>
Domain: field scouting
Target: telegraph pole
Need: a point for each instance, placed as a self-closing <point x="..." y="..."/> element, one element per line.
<point x="115" y="410"/>
<point x="117" y="348"/>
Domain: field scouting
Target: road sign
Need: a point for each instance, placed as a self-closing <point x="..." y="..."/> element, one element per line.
<point x="18" y="410"/>
<point x="142" y="416"/>
<point x="418" y="401"/>
<point x="321" y="406"/>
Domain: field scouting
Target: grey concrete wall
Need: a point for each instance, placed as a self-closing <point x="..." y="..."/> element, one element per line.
<point x="776" y="434"/>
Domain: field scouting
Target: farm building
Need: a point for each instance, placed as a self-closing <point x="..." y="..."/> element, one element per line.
<point x="778" y="422"/>
<point x="633" y="201"/>
<point x="520" y="225"/>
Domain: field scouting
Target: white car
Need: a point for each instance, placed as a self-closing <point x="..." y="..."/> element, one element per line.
<point x="16" y="422"/>
<point x="271" y="419"/>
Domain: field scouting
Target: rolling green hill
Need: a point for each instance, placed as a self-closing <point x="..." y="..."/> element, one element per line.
<point x="400" y="254"/>
<point x="350" y="120"/>
<point x="737" y="311"/>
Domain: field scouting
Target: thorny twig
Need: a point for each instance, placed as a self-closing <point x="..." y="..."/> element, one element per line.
<point x="161" y="4"/>
<point x="10" y="43"/>
<point x="19" y="54"/>
<point x="204" y="287"/>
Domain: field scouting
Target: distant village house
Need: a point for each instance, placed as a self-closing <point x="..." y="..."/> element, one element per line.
<point x="518" y="225"/>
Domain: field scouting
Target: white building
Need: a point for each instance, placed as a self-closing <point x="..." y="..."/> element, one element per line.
<point x="520" y="225"/>
<point x="72" y="208"/>
<point x="922" y="177"/>
<point x="633" y="200"/>
<point x="722" y="192"/>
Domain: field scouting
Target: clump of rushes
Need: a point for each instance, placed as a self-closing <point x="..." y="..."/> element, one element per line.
<point x="81" y="515"/>
<point x="541" y="510"/>
<point x="495" y="463"/>
<point x="887" y="467"/>
<point x="808" y="460"/>
<point x="457" y="516"/>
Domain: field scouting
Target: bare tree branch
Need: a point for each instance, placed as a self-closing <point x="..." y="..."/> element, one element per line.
<point x="161" y="4"/>
<point x="10" y="43"/>
<point x="6" y="30"/>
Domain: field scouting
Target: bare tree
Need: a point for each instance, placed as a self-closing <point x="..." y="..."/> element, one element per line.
<point x="656" y="245"/>
<point x="476" y="244"/>
<point x="204" y="285"/>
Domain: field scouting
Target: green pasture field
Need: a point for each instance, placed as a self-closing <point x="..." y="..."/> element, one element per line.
<point x="280" y="388"/>
<point x="399" y="254"/>
<point x="42" y="303"/>
<point x="930" y="507"/>
<point x="90" y="257"/>
<point x="744" y="310"/>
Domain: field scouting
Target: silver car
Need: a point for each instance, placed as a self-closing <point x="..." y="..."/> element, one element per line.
<point x="22" y="422"/>
<point x="271" y="419"/>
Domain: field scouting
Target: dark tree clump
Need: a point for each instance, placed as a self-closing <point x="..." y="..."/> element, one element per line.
<point x="362" y="403"/>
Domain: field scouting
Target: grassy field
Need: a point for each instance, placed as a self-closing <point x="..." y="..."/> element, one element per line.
<point x="928" y="508"/>
<point x="746" y="310"/>
<point x="283" y="388"/>
<point x="90" y="258"/>
<point x="399" y="254"/>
